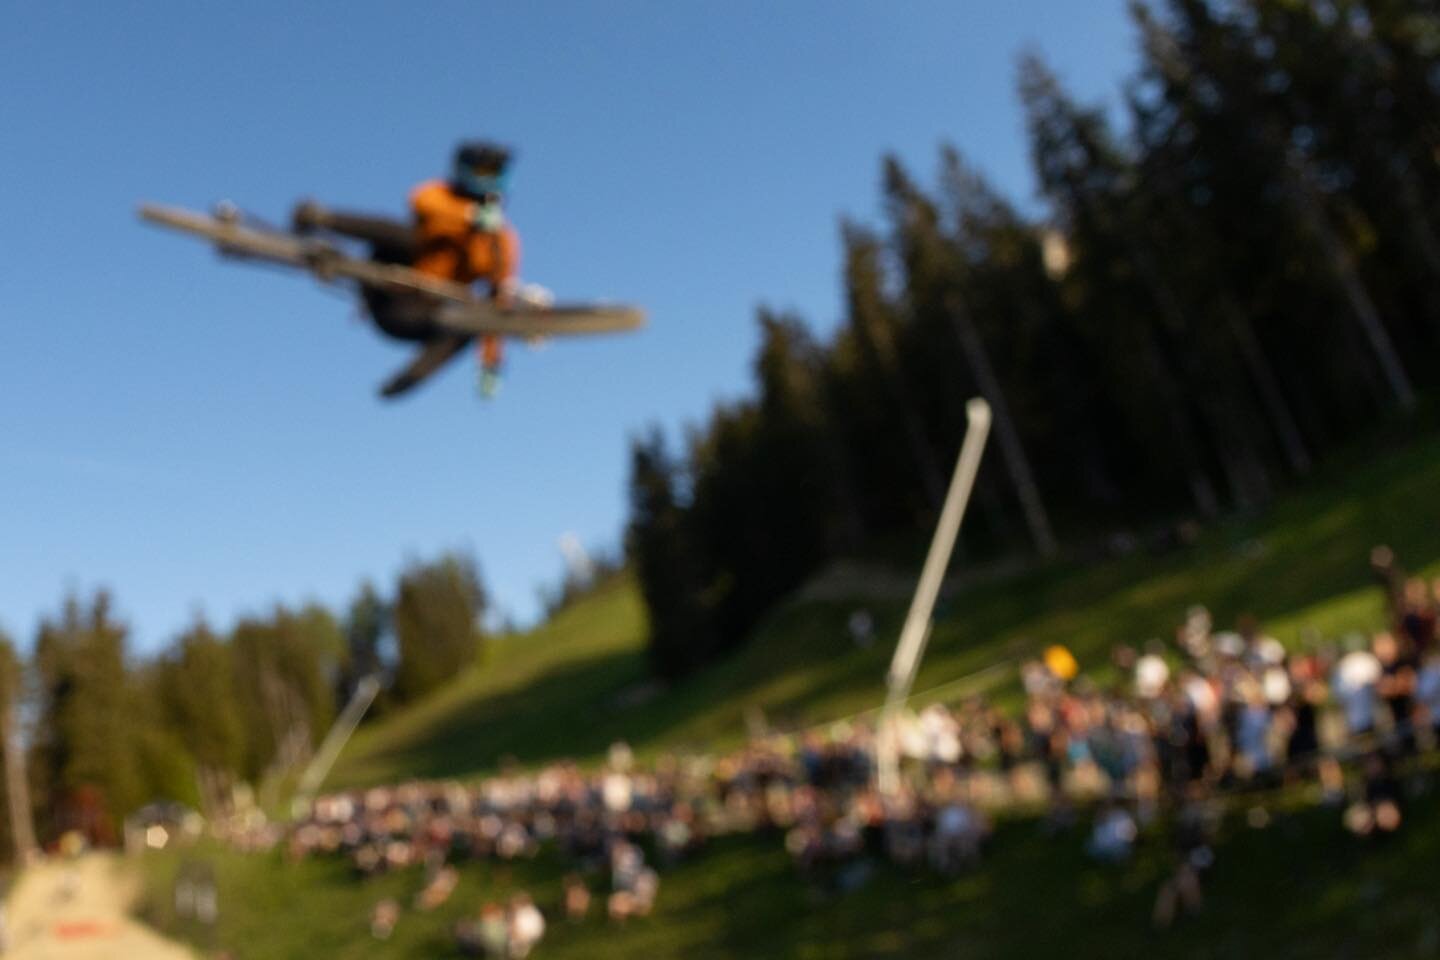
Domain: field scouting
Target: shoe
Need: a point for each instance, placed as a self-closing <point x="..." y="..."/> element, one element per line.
<point x="307" y="217"/>
<point x="489" y="383"/>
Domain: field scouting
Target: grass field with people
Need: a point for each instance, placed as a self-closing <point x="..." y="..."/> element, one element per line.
<point x="578" y="683"/>
<point x="1301" y="887"/>
<point x="1289" y="879"/>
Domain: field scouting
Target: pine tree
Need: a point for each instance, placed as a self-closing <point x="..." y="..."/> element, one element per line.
<point x="873" y="325"/>
<point x="17" y="783"/>
<point x="1174" y="205"/>
<point x="682" y="633"/>
<point x="809" y="491"/>
<point x="1220" y="64"/>
<point x="285" y="667"/>
<point x="438" y="610"/>
<point x="366" y="627"/>
<point x="1030" y="334"/>
<point x="1084" y="174"/>
<point x="1339" y="97"/>
<point x="84" y="755"/>
<point x="196" y="685"/>
<point x="936" y="290"/>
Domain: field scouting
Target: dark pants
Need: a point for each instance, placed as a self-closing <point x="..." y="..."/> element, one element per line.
<point x="390" y="241"/>
<point x="407" y="316"/>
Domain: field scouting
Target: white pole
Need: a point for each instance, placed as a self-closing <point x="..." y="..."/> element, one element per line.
<point x="334" y="742"/>
<point x="916" y="631"/>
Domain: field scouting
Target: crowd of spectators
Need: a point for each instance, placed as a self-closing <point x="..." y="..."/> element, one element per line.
<point x="1155" y="737"/>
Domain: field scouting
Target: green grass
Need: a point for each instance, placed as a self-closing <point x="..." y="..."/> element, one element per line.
<point x="578" y="683"/>
<point x="529" y="696"/>
<point x="1301" y="887"/>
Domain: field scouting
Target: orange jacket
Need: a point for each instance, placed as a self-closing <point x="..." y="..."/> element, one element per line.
<point x="450" y="246"/>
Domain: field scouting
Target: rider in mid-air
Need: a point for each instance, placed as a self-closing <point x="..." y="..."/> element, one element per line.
<point x="459" y="232"/>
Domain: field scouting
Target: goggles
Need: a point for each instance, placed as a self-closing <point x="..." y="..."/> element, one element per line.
<point x="478" y="184"/>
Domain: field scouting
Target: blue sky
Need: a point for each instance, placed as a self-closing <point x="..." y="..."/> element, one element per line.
<point x="201" y="436"/>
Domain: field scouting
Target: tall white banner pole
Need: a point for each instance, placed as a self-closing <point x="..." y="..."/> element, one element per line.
<point x="334" y="742"/>
<point x="916" y="631"/>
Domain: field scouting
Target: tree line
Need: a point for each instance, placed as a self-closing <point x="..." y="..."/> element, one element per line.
<point x="91" y="733"/>
<point x="1242" y="279"/>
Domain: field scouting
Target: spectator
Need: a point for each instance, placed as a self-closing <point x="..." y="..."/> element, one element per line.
<point x="1388" y="574"/>
<point x="383" y="917"/>
<point x="1427" y="693"/>
<point x="488" y="936"/>
<point x="861" y="626"/>
<point x="1417" y="620"/>
<point x="576" y="898"/>
<point x="1378" y="810"/>
<point x="1112" y="839"/>
<point x="438" y="890"/>
<point x="1191" y="833"/>
<point x="1396" y="686"/>
<point x="1151" y="672"/>
<point x="1356" y="674"/>
<point x="1252" y="736"/>
<point x="646" y="889"/>
<point x="1194" y="634"/>
<point x="525" y="926"/>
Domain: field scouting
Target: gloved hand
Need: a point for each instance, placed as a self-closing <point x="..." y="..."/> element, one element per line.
<point x="487" y="217"/>
<point x="534" y="295"/>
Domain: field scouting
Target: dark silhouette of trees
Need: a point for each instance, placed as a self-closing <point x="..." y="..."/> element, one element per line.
<point x="661" y="547"/>
<point x="1220" y="295"/>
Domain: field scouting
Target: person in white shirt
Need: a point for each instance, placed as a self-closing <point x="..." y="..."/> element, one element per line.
<point x="1354" y="681"/>
<point x="527" y="925"/>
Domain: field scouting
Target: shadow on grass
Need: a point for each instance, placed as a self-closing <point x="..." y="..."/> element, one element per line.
<point x="1299" y="887"/>
<point x="801" y="666"/>
<point x="565" y="711"/>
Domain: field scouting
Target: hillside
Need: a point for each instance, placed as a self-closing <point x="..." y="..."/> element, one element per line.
<point x="1288" y="880"/>
<point x="1301" y="887"/>
<point x="578" y="683"/>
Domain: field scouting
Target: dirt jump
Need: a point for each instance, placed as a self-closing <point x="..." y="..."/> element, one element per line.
<point x="77" y="909"/>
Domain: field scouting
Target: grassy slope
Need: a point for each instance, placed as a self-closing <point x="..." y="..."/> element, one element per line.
<point x="564" y="689"/>
<point x="1301" y="887"/>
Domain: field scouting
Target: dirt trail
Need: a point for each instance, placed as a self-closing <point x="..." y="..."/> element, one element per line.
<point x="78" y="910"/>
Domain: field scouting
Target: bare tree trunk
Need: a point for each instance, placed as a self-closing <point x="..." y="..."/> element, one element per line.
<point x="919" y="446"/>
<point x="17" y="791"/>
<point x="925" y="462"/>
<point x="1268" y="387"/>
<point x="1097" y="479"/>
<point x="1172" y="319"/>
<point x="1201" y="489"/>
<point x="1420" y="232"/>
<point x="1244" y="471"/>
<point x="1301" y="191"/>
<point x="848" y="530"/>
<point x="1011" y="449"/>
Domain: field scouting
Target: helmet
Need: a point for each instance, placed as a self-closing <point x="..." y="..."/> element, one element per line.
<point x="479" y="169"/>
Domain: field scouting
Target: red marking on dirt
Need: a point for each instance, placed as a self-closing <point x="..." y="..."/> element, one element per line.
<point x="83" y="929"/>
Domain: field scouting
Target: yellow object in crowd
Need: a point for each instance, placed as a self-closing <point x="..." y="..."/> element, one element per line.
<point x="1061" y="662"/>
